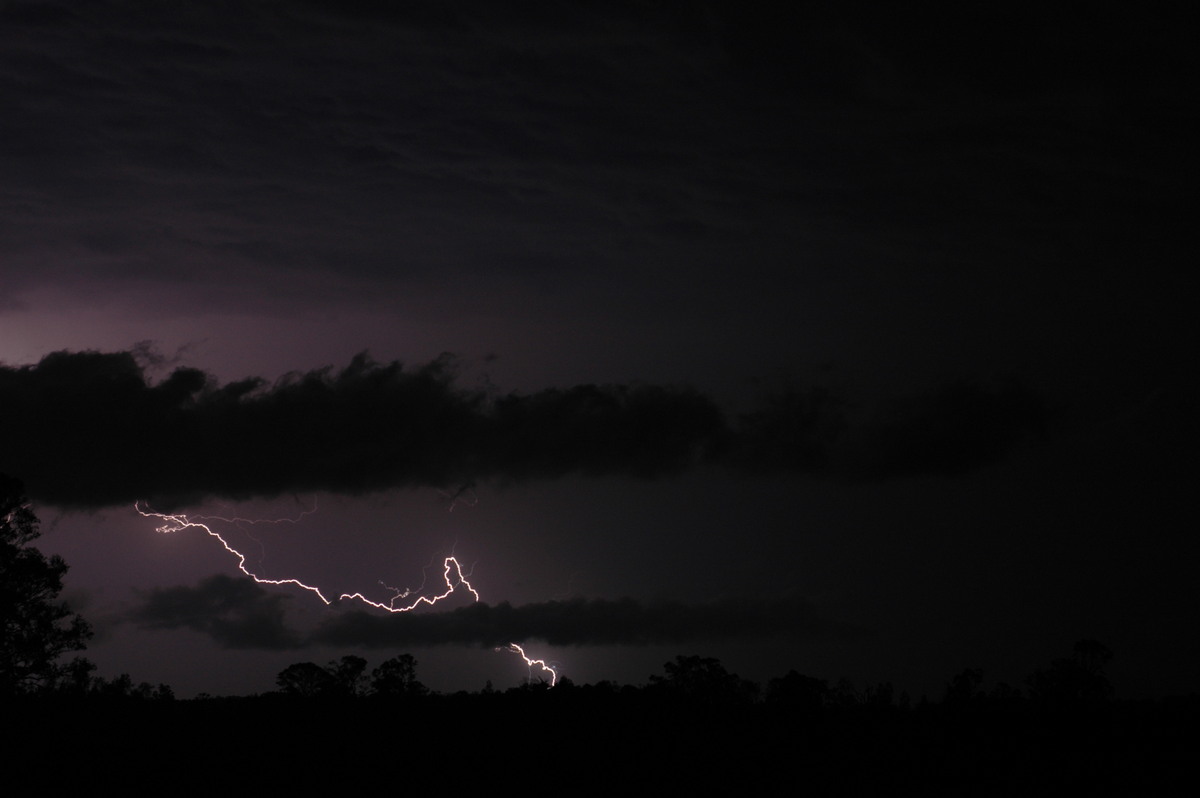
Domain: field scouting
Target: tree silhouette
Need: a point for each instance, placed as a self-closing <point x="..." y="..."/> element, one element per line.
<point x="306" y="680"/>
<point x="346" y="678"/>
<point x="797" y="690"/>
<point x="965" y="688"/>
<point x="1074" y="681"/>
<point x="397" y="678"/>
<point x="37" y="629"/>
<point x="347" y="673"/>
<point x="704" y="679"/>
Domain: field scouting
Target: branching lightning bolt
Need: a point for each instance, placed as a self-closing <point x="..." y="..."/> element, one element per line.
<point x="175" y="522"/>
<point x="450" y="564"/>
<point x="464" y="495"/>
<point x="178" y="522"/>
<point x="541" y="663"/>
<point x="240" y="520"/>
<point x="452" y="573"/>
<point x="250" y="522"/>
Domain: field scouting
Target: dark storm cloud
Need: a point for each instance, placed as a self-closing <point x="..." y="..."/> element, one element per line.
<point x="582" y="622"/>
<point x="959" y="427"/>
<point x="237" y="613"/>
<point x="89" y="429"/>
<point x="291" y="138"/>
<point x="260" y="143"/>
<point x="234" y="612"/>
<point x="94" y="432"/>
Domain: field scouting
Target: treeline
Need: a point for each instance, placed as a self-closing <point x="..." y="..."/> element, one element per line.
<point x="78" y="680"/>
<point x="696" y="726"/>
<point x="1077" y="681"/>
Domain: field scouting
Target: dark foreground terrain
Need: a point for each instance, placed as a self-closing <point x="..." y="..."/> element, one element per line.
<point x="600" y="739"/>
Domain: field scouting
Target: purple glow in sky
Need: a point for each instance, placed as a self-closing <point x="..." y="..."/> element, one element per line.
<point x="843" y="341"/>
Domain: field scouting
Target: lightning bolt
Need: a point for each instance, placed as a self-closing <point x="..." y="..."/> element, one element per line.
<point x="464" y="495"/>
<point x="249" y="522"/>
<point x="179" y="522"/>
<point x="240" y="520"/>
<point x="452" y="573"/>
<point x="541" y="663"/>
<point x="450" y="564"/>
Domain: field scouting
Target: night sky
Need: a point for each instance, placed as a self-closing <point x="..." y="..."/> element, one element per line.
<point x="849" y="341"/>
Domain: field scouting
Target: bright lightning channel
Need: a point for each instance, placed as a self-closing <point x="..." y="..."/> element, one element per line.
<point x="177" y="522"/>
<point x="541" y="663"/>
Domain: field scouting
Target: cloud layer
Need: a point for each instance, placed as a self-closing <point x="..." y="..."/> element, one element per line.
<point x="237" y="613"/>
<point x="234" y="612"/>
<point x="580" y="622"/>
<point x="92" y="430"/>
<point x="265" y="143"/>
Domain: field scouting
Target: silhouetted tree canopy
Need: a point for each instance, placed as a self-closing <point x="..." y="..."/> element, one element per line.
<point x="705" y="679"/>
<point x="305" y="679"/>
<point x="397" y="678"/>
<point x="794" y="689"/>
<point x="346" y="678"/>
<point x="1075" y="680"/>
<point x="964" y="688"/>
<point x="347" y="673"/>
<point x="37" y="628"/>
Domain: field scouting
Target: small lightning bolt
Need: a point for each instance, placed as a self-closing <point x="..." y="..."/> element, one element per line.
<point x="245" y="523"/>
<point x="452" y="573"/>
<point x="464" y="495"/>
<point x="240" y="520"/>
<point x="541" y="663"/>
